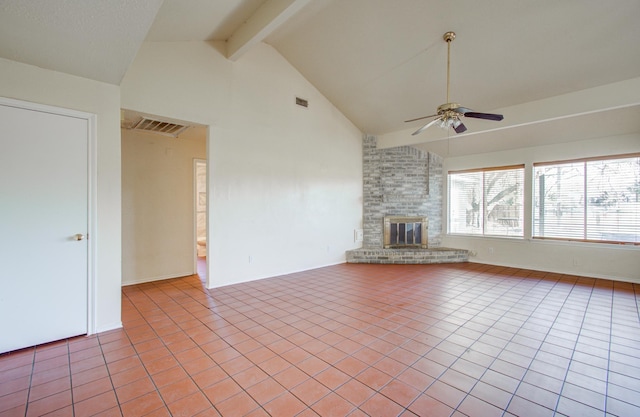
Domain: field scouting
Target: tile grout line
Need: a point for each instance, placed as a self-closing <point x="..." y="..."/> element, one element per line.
<point x="33" y="365"/>
<point x="73" y="407"/>
<point x="606" y="387"/>
<point x="564" y="380"/>
<point x="460" y="326"/>
<point x="495" y="358"/>
<point x="158" y="337"/>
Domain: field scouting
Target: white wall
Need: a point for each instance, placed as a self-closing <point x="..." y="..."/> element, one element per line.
<point x="29" y="83"/>
<point x="158" y="239"/>
<point x="285" y="182"/>
<point x="618" y="262"/>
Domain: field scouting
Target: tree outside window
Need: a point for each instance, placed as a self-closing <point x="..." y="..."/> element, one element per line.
<point x="590" y="200"/>
<point x="487" y="201"/>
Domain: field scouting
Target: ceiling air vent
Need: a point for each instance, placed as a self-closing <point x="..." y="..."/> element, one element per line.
<point x="160" y="127"/>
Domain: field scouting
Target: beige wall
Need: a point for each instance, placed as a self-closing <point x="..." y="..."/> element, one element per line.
<point x="158" y="239"/>
<point x="587" y="259"/>
<point x="285" y="182"/>
<point x="29" y="83"/>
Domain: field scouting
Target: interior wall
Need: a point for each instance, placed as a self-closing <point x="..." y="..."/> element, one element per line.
<point x="611" y="261"/>
<point x="30" y="83"/>
<point x="285" y="182"/>
<point x="158" y="239"/>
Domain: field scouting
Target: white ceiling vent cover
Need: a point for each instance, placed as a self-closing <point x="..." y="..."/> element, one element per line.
<point x="160" y="127"/>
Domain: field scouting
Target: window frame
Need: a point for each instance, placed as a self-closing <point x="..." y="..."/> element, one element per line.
<point x="522" y="191"/>
<point x="584" y="161"/>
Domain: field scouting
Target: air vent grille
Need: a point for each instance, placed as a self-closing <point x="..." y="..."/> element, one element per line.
<point x="160" y="127"/>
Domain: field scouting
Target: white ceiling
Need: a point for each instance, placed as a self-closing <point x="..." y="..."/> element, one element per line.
<point x="379" y="61"/>
<point x="94" y="39"/>
<point x="197" y="20"/>
<point x="382" y="62"/>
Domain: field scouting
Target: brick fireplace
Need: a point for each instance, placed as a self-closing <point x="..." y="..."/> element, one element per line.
<point x="403" y="184"/>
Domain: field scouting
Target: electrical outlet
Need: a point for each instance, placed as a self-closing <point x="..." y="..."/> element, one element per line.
<point x="491" y="251"/>
<point x="358" y="235"/>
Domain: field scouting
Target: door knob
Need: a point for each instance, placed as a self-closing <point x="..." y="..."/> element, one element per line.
<point x="79" y="236"/>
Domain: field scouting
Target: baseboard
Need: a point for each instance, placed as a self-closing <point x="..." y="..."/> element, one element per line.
<point x="157" y="278"/>
<point x="564" y="272"/>
<point x="293" y="271"/>
<point x="107" y="327"/>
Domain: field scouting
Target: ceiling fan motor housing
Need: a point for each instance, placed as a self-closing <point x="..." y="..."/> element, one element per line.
<point x="447" y="106"/>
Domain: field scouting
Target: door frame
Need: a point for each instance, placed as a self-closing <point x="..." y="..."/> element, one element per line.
<point x="196" y="161"/>
<point x="92" y="195"/>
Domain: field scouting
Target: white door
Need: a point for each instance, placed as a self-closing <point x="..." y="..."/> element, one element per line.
<point x="43" y="206"/>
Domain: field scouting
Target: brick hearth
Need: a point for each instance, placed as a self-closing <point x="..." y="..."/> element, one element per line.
<point x="407" y="256"/>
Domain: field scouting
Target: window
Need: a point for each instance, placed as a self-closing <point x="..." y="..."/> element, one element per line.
<point x="589" y="199"/>
<point x="487" y="201"/>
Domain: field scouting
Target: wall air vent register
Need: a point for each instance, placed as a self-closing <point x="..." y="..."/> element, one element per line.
<point x="160" y="127"/>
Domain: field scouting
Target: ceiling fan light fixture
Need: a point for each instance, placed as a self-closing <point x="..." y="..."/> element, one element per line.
<point x="448" y="119"/>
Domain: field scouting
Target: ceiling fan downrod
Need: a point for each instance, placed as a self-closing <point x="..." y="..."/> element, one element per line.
<point x="448" y="37"/>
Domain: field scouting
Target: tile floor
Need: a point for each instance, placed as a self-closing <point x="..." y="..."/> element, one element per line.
<point x="378" y="340"/>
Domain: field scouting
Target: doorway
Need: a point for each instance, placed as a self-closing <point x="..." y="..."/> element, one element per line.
<point x="158" y="214"/>
<point x="200" y="216"/>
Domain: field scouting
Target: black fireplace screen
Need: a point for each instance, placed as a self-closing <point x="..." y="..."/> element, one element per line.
<point x="405" y="232"/>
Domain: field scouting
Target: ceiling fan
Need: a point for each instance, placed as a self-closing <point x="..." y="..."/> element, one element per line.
<point x="448" y="114"/>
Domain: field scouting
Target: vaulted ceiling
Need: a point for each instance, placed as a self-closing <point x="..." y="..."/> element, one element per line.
<point x="379" y="61"/>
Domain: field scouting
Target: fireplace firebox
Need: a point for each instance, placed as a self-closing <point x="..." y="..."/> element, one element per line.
<point x="405" y="232"/>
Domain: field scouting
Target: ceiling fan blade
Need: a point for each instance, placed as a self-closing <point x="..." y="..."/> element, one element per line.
<point x="425" y="127"/>
<point x="486" y="116"/>
<point x="460" y="128"/>
<point x="420" y="118"/>
<point x="462" y="110"/>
